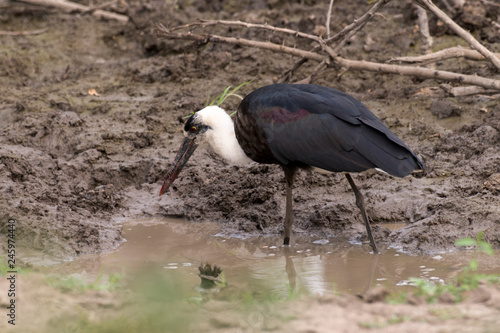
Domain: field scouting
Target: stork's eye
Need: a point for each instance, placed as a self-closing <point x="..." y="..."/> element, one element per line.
<point x="192" y="129"/>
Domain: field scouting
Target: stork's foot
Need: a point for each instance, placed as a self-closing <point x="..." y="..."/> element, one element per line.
<point x="360" y="202"/>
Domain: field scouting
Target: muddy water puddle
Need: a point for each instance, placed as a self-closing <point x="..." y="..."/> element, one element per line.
<point x="312" y="265"/>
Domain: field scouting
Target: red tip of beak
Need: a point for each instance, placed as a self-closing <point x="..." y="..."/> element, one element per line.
<point x="163" y="188"/>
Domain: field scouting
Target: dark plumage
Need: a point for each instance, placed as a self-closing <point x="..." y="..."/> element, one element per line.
<point x="310" y="125"/>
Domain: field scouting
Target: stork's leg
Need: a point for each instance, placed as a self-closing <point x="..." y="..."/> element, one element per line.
<point x="289" y="213"/>
<point x="360" y="202"/>
<point x="290" y="269"/>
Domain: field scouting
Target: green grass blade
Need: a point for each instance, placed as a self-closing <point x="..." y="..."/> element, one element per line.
<point x="486" y="248"/>
<point x="213" y="101"/>
<point x="232" y="92"/>
<point x="223" y="96"/>
<point x="218" y="100"/>
<point x="466" y="242"/>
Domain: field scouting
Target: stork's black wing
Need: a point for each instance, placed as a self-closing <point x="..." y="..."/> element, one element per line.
<point x="321" y="127"/>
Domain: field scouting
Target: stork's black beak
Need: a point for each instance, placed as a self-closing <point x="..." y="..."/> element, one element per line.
<point x="187" y="148"/>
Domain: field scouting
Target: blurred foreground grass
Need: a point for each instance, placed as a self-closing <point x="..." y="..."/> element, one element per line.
<point x="150" y="303"/>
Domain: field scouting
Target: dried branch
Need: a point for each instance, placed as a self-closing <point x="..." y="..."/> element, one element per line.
<point x="23" y="33"/>
<point x="204" y="23"/>
<point x="205" y="39"/>
<point x="325" y="54"/>
<point x="421" y="72"/>
<point x="452" y="52"/>
<point x="423" y="24"/>
<point x="350" y="64"/>
<point x="461" y="32"/>
<point x="71" y="6"/>
<point x="465" y="91"/>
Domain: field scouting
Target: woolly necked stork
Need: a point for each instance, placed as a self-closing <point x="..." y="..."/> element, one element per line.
<point x="299" y="126"/>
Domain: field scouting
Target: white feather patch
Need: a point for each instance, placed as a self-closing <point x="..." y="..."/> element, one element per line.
<point x="221" y="135"/>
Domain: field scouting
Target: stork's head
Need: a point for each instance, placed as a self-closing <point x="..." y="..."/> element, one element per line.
<point x="199" y="128"/>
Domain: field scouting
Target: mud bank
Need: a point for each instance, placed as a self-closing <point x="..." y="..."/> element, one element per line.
<point x="73" y="164"/>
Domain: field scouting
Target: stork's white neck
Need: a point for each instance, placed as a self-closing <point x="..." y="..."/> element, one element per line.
<point x="221" y="136"/>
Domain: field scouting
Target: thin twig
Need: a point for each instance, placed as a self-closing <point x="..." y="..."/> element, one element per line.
<point x="452" y="52"/>
<point x="101" y="6"/>
<point x="449" y="7"/>
<point x="313" y="74"/>
<point x="328" y="17"/>
<point x="348" y="36"/>
<point x="461" y="32"/>
<point x="287" y="75"/>
<point x="341" y="34"/>
<point x="362" y="20"/>
<point x="23" y="33"/>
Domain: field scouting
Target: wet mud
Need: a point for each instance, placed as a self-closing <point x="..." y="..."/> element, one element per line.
<point x="74" y="163"/>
